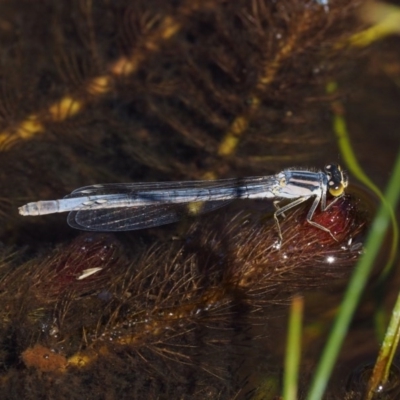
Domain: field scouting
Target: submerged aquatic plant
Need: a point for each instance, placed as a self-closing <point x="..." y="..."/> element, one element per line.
<point x="141" y="90"/>
<point x="178" y="311"/>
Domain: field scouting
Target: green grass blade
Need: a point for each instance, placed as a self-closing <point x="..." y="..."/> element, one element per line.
<point x="293" y="349"/>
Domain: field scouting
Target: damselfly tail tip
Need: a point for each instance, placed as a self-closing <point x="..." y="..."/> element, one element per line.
<point x="29" y="209"/>
<point x="23" y="210"/>
<point x="40" y="208"/>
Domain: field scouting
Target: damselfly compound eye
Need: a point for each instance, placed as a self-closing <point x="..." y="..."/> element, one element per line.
<point x="337" y="179"/>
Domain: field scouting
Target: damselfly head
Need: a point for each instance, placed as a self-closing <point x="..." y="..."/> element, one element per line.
<point x="337" y="179"/>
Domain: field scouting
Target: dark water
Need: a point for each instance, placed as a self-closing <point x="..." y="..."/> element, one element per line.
<point x="148" y="91"/>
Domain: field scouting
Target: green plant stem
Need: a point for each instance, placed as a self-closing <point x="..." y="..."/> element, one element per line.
<point x="293" y="350"/>
<point x="380" y="374"/>
<point x="347" y="152"/>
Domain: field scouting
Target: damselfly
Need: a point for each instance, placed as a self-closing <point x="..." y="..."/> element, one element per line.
<point x="131" y="206"/>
